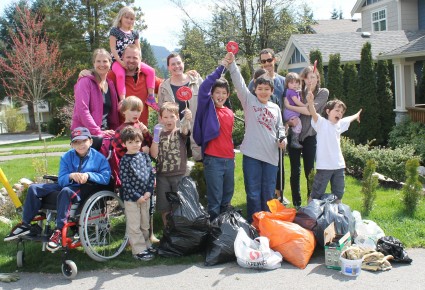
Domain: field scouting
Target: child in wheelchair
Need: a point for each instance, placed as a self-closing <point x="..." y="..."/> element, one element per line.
<point x="82" y="169"/>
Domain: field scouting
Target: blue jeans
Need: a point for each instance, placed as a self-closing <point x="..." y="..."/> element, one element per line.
<point x="36" y="191"/>
<point x="220" y="178"/>
<point x="309" y="154"/>
<point x="260" y="183"/>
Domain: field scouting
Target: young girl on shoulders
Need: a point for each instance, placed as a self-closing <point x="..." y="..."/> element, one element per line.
<point x="121" y="35"/>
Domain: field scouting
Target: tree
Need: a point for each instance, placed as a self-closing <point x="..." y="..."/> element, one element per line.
<point x="254" y="24"/>
<point x="385" y="100"/>
<point x="306" y="20"/>
<point x="32" y="70"/>
<point x="334" y="83"/>
<point x="351" y="98"/>
<point x="370" y="127"/>
<point x="335" y="14"/>
<point x="317" y="55"/>
<point x="196" y="52"/>
<point x="147" y="53"/>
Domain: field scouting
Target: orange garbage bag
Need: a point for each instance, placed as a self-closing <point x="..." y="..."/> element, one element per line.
<point x="295" y="243"/>
<point x="277" y="211"/>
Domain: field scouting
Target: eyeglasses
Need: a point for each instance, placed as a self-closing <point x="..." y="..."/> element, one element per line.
<point x="269" y="60"/>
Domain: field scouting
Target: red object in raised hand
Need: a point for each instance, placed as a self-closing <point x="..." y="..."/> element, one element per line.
<point x="232" y="47"/>
<point x="184" y="93"/>
<point x="315" y="66"/>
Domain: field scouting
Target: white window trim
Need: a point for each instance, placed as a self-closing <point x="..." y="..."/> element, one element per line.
<point x="386" y="18"/>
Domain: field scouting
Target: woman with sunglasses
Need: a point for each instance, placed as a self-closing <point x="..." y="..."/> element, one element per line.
<point x="267" y="61"/>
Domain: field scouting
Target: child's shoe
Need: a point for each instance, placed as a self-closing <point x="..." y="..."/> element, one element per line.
<point x="151" y="102"/>
<point x="55" y="241"/>
<point x="295" y="141"/>
<point x="144" y="256"/>
<point x="18" y="231"/>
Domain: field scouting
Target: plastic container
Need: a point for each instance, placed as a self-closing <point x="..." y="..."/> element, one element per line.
<point x="350" y="267"/>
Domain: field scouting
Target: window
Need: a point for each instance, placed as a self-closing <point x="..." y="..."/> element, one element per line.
<point x="296" y="57"/>
<point x="379" y="20"/>
<point x="370" y="2"/>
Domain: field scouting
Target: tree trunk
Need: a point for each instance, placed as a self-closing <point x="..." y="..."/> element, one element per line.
<point x="38" y="123"/>
<point x="31" y="116"/>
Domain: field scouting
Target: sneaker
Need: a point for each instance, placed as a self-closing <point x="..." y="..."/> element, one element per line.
<point x="151" y="102"/>
<point x="55" y="241"/>
<point x="18" y="231"/>
<point x="144" y="256"/>
<point x="152" y="250"/>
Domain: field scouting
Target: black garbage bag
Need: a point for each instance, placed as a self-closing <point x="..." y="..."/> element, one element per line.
<point x="223" y="231"/>
<point x="320" y="213"/>
<point x="187" y="223"/>
<point x="389" y="245"/>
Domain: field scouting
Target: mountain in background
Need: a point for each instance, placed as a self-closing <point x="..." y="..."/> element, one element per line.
<point x="161" y="54"/>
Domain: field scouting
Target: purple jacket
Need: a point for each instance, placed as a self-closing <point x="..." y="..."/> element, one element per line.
<point x="88" y="108"/>
<point x="206" y="126"/>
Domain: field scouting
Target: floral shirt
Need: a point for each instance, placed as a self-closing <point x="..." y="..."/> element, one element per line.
<point x="123" y="39"/>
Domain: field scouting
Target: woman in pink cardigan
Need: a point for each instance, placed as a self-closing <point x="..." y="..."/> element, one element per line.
<point x="96" y="100"/>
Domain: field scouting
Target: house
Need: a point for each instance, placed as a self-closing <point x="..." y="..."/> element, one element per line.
<point x="396" y="31"/>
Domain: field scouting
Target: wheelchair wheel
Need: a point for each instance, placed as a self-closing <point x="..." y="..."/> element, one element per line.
<point x="69" y="269"/>
<point x="102" y="226"/>
<point x="20" y="258"/>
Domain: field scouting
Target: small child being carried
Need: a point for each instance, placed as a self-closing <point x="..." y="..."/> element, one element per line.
<point x="292" y="85"/>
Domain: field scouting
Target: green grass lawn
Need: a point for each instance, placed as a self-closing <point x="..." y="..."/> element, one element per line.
<point x="52" y="141"/>
<point x="388" y="213"/>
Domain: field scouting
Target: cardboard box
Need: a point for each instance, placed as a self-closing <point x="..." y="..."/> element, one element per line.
<point x="334" y="246"/>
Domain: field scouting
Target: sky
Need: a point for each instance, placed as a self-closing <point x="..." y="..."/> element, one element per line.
<point x="164" y="18"/>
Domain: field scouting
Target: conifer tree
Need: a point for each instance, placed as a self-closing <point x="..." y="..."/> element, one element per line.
<point x="385" y="100"/>
<point x="351" y="98"/>
<point x="370" y="126"/>
<point x="334" y="83"/>
<point x="317" y="55"/>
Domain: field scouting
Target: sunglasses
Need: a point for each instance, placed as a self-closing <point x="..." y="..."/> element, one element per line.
<point x="269" y="60"/>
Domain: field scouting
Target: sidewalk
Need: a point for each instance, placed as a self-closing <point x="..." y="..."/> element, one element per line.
<point x="25" y="137"/>
<point x="232" y="276"/>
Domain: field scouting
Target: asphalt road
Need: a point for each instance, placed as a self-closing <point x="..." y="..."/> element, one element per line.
<point x="232" y="276"/>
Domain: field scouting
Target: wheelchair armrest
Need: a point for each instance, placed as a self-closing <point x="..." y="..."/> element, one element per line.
<point x="50" y="177"/>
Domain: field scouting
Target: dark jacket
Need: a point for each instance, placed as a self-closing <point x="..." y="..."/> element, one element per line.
<point x="206" y="126"/>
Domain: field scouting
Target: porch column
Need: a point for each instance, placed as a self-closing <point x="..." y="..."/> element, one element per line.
<point x="404" y="78"/>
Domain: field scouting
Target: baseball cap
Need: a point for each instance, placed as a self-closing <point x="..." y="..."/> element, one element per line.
<point x="80" y="133"/>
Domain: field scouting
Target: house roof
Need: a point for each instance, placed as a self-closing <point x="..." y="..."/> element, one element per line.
<point x="357" y="7"/>
<point x="416" y="47"/>
<point x="336" y="26"/>
<point x="348" y="45"/>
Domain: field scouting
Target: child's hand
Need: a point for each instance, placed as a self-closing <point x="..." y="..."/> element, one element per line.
<point x="143" y="128"/>
<point x="358" y="115"/>
<point x="188" y="114"/>
<point x="310" y="98"/>
<point x="141" y="200"/>
<point x="228" y="59"/>
<point x="145" y="149"/>
<point x="156" y="132"/>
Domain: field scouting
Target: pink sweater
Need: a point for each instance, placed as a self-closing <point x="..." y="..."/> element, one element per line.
<point x="88" y="108"/>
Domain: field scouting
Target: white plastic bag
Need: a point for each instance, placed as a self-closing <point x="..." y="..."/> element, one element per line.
<point x="367" y="232"/>
<point x="255" y="254"/>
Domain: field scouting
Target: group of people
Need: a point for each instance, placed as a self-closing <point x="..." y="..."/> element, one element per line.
<point x="111" y="106"/>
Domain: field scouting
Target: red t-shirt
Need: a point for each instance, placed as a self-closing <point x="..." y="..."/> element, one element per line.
<point x="222" y="146"/>
<point x="137" y="87"/>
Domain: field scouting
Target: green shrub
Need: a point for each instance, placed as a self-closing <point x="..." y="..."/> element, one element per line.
<point x="55" y="126"/>
<point x="412" y="188"/>
<point x="408" y="132"/>
<point x="389" y="162"/>
<point x="369" y="185"/>
<point x="238" y="128"/>
<point x="15" y="122"/>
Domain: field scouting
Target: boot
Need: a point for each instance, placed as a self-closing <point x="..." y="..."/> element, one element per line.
<point x="295" y="141"/>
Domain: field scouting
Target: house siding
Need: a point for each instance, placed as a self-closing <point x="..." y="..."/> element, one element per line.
<point x="391" y="14"/>
<point x="409" y="15"/>
<point x="421" y="14"/>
